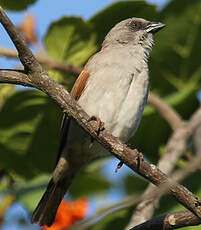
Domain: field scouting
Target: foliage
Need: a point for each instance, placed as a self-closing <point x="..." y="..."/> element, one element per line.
<point x="24" y="120"/>
<point x="16" y="5"/>
<point x="29" y="120"/>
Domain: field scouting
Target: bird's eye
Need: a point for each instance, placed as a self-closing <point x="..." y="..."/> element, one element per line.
<point x="135" y="25"/>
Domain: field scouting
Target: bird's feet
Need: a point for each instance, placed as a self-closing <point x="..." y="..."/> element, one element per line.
<point x="99" y="123"/>
<point x="120" y="164"/>
<point x="98" y="129"/>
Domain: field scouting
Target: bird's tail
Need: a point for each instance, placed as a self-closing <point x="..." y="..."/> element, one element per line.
<point x="46" y="210"/>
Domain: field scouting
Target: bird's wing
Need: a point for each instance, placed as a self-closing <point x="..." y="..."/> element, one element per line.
<point x="76" y="92"/>
<point x="80" y="84"/>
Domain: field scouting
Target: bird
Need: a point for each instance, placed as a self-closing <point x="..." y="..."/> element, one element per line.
<point x="113" y="88"/>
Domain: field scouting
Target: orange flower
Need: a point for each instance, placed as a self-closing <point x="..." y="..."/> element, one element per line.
<point x="68" y="213"/>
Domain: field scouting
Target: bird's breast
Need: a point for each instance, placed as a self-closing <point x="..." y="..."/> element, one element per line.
<point x="116" y="93"/>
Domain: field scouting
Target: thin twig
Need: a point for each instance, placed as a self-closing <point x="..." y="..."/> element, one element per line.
<point x="15" y="77"/>
<point x="174" y="149"/>
<point x="197" y="140"/>
<point x="168" y="113"/>
<point x="46" y="62"/>
<point x="179" y="219"/>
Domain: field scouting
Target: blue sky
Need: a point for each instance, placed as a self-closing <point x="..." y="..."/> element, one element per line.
<point x="45" y="12"/>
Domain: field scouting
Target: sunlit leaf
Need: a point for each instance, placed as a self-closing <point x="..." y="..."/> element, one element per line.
<point x="6" y="90"/>
<point x="70" y="39"/>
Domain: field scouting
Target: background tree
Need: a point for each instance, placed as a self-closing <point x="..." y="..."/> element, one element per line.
<point x="30" y="121"/>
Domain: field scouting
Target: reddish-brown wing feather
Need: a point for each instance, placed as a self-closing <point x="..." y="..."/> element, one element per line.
<point x="80" y="84"/>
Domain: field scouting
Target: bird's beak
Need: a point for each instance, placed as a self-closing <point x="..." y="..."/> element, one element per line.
<point x="154" y="27"/>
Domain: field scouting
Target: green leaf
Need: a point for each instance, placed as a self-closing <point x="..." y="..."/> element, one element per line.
<point x="89" y="183"/>
<point x="30" y="192"/>
<point x="29" y="133"/>
<point x="70" y="39"/>
<point x="16" y="5"/>
<point x="6" y="90"/>
<point x="105" y="19"/>
<point x="175" y="57"/>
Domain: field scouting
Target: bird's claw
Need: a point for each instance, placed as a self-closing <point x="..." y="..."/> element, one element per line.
<point x="120" y="164"/>
<point x="98" y="129"/>
<point x="99" y="123"/>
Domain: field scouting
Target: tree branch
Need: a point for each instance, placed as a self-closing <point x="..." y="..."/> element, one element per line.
<point x="174" y="149"/>
<point x="16" y="77"/>
<point x="168" y="113"/>
<point x="132" y="158"/>
<point x="178" y="176"/>
<point x="173" y="220"/>
<point x="46" y="62"/>
<point x="179" y="219"/>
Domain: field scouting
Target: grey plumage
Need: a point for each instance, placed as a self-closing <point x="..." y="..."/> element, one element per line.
<point x="116" y="92"/>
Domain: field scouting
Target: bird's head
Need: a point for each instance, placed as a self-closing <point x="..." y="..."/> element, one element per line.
<point x="133" y="31"/>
